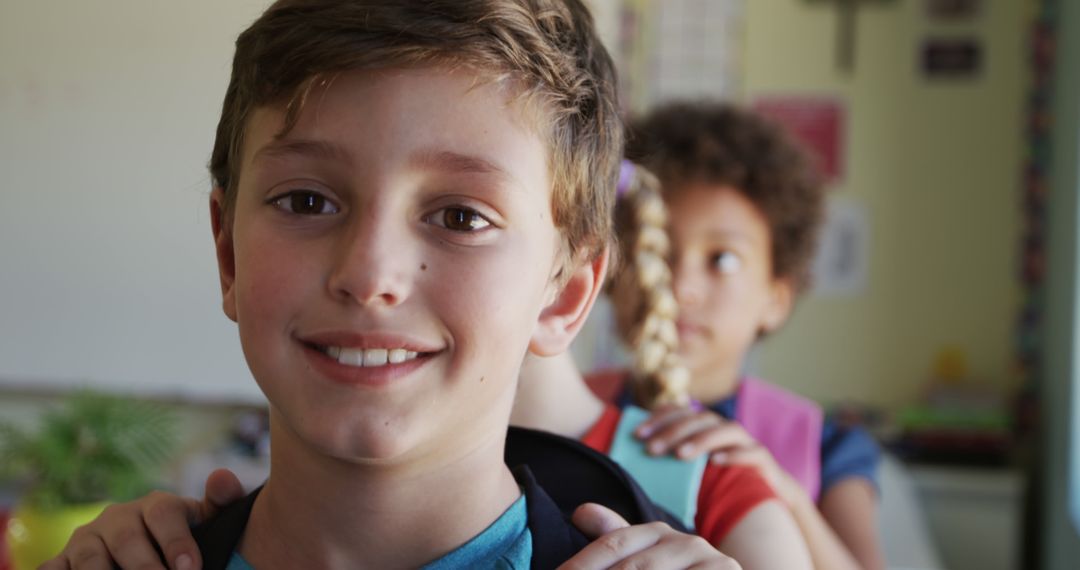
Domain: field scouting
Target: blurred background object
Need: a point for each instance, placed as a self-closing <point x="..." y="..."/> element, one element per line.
<point x="91" y="450"/>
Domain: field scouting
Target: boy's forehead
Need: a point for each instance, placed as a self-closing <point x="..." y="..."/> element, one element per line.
<point x="448" y="119"/>
<point x="504" y="99"/>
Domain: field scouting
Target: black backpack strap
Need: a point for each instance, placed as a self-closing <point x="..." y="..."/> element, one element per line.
<point x="572" y="474"/>
<point x="554" y="537"/>
<point x="219" y="536"/>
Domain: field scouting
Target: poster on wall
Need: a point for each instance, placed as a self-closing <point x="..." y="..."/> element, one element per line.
<point x="673" y="49"/>
<point x="697" y="49"/>
<point x="818" y="122"/>
<point x="841" y="266"/>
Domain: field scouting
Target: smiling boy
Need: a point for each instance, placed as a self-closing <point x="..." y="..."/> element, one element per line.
<point x="383" y="223"/>
<point x="408" y="198"/>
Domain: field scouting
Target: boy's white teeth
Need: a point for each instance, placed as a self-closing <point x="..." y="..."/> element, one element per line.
<point x="370" y="356"/>
<point x="396" y="356"/>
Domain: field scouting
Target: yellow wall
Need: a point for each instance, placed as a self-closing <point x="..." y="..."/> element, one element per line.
<point x="937" y="166"/>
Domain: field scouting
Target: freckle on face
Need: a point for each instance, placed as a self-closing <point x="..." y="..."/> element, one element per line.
<point x="423" y="267"/>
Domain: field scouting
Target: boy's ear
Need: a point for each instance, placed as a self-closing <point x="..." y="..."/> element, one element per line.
<point x="223" y="245"/>
<point x="561" y="320"/>
<point x="781" y="301"/>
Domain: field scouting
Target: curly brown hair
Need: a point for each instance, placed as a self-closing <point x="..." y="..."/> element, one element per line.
<point x="716" y="143"/>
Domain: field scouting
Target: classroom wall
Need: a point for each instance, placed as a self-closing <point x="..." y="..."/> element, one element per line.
<point x="936" y="165"/>
<point x="107" y="112"/>
<point x="107" y="270"/>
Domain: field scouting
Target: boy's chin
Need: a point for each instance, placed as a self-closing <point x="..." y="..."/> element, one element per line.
<point x="360" y="443"/>
<point x="371" y="450"/>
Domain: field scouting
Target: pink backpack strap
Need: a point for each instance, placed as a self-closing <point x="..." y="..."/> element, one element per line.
<point x="788" y="425"/>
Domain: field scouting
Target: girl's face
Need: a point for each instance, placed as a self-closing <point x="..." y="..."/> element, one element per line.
<point x="723" y="281"/>
<point x="389" y="262"/>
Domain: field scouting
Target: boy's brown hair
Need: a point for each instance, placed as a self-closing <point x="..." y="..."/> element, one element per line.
<point x="547" y="50"/>
<point x="720" y="144"/>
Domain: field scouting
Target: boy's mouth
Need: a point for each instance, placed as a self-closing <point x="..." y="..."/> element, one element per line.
<point x="367" y="357"/>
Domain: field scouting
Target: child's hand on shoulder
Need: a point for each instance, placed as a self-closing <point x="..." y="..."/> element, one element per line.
<point x="126" y="534"/>
<point x="652" y="545"/>
<point x="687" y="433"/>
<point x="681" y="431"/>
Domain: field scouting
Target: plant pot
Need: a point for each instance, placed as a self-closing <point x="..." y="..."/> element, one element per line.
<point x="35" y="535"/>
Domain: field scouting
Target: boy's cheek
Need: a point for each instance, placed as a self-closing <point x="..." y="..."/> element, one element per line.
<point x="264" y="286"/>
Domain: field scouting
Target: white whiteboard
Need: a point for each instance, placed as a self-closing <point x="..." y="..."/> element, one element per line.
<point x="107" y="275"/>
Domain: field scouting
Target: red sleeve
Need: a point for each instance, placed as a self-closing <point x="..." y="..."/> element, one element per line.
<point x="602" y="433"/>
<point x="727" y="494"/>
<point x="606" y="384"/>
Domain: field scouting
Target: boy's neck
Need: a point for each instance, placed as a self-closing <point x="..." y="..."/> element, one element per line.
<point x="552" y="396"/>
<point x="373" y="517"/>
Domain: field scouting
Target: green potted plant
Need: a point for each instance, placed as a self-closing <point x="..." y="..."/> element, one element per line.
<point x="91" y="450"/>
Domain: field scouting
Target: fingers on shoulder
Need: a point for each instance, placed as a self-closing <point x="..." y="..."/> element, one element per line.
<point x="724" y="564"/>
<point x="652" y="546"/>
<point x="222" y="488"/>
<point x="168" y="518"/>
<point x="676" y="550"/>
<point x="117" y="536"/>
<point x="661" y="419"/>
<point x="159" y="505"/>
<point x="85" y="550"/>
<point x="685" y="430"/>
<point x="597" y="520"/>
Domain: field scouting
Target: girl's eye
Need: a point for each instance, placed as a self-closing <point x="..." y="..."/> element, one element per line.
<point x="460" y="219"/>
<point x="725" y="262"/>
<point x="305" y="203"/>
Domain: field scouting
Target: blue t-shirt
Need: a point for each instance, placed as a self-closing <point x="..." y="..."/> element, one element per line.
<point x="505" y="545"/>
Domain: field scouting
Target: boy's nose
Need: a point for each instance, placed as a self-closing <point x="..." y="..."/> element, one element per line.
<point x="372" y="265"/>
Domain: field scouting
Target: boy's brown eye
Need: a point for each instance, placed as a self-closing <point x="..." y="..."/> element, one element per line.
<point x="463" y="220"/>
<point x="305" y="203"/>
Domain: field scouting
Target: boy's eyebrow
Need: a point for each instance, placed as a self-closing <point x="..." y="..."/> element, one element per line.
<point x="304" y="147"/>
<point x="444" y="160"/>
<point x="458" y="163"/>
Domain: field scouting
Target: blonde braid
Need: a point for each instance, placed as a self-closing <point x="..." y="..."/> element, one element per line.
<point x="640" y="289"/>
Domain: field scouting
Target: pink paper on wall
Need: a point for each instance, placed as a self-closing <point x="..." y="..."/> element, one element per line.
<point x="816" y="121"/>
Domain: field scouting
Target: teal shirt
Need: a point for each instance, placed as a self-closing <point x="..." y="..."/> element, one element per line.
<point x="505" y="545"/>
